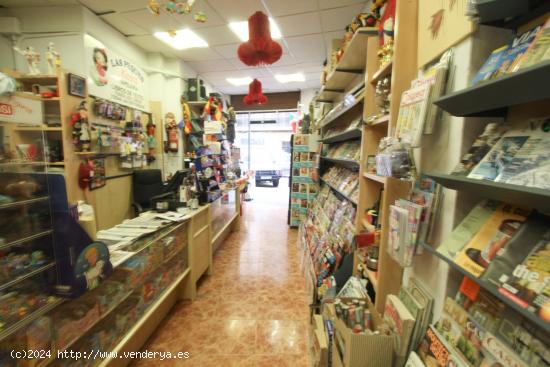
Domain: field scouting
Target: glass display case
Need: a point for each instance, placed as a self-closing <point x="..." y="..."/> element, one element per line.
<point x="27" y="258"/>
<point x="223" y="211"/>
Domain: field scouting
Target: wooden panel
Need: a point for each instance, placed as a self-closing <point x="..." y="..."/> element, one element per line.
<point x="454" y="27"/>
<point x="200" y="219"/>
<point x="277" y="101"/>
<point x="202" y="253"/>
<point x="112" y="203"/>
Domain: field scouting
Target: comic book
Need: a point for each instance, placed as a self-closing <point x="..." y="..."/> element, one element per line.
<point x="538" y="51"/>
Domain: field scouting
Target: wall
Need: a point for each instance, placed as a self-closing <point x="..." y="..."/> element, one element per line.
<point x="306" y="95"/>
<point x="277" y="101"/>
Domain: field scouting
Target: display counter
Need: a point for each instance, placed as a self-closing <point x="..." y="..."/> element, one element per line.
<point x="224" y="213"/>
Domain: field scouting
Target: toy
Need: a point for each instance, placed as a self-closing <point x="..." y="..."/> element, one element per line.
<point x="200" y="17"/>
<point x="171" y="132"/>
<point x="53" y="58"/>
<point x="186" y="116"/>
<point x="32" y="58"/>
<point x="81" y="128"/>
<point x="154" y="7"/>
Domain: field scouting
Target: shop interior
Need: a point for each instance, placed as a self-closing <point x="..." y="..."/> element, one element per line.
<point x="301" y="183"/>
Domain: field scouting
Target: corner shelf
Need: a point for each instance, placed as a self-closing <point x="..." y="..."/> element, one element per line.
<point x="375" y="177"/>
<point x="381" y="73"/>
<point x="490" y="288"/>
<point x="339" y="192"/>
<point x="342" y="161"/>
<point x="492" y="98"/>
<point x="355" y="133"/>
<point x="525" y="196"/>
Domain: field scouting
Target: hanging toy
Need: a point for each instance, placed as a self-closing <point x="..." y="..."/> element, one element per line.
<point x="186" y="116"/>
<point x="171" y="6"/>
<point x="171" y="132"/>
<point x="189" y="6"/>
<point x="213" y="110"/>
<point x="180" y="8"/>
<point x="81" y="128"/>
<point x="151" y="136"/>
<point x="154" y="7"/>
<point x="200" y="17"/>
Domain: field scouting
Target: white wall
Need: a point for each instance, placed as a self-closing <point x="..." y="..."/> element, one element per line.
<point x="306" y="95"/>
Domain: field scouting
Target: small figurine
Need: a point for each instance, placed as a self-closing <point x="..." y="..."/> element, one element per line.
<point x="154" y="7"/>
<point x="81" y="128"/>
<point x="171" y="132"/>
<point x="53" y="58"/>
<point x="32" y="58"/>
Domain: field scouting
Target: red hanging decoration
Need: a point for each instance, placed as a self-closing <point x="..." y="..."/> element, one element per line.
<point x="255" y="94"/>
<point x="260" y="48"/>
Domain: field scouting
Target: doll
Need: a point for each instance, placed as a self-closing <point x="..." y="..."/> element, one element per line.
<point x="53" y="59"/>
<point x="171" y="133"/>
<point x="81" y="128"/>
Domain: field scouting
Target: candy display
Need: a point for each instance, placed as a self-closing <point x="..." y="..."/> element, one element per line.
<point x="13" y="265"/>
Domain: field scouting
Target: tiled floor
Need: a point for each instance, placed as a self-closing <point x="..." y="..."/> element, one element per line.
<point x="253" y="310"/>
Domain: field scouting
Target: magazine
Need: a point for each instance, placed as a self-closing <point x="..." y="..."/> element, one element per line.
<point x="518" y="47"/>
<point x="417" y="310"/>
<point x="530" y="166"/>
<point x="436" y="352"/>
<point x="399" y="219"/>
<point x="411" y="233"/>
<point x="414" y="361"/>
<point x="538" y="51"/>
<point x="401" y="322"/>
<point x="481" y="146"/>
<point x="412" y="114"/>
<point x="492" y="64"/>
<point x="469" y="226"/>
<point x="491" y="238"/>
<point x="502" y="153"/>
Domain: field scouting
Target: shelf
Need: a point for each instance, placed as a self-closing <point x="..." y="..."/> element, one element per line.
<point x="382" y="120"/>
<point x="23" y="202"/>
<point x="343" y="162"/>
<point x="328" y="95"/>
<point x="339" y="192"/>
<point x="341" y="112"/>
<point x="530" y="197"/>
<point x="38" y="128"/>
<point x="26" y="239"/>
<point x="489" y="287"/>
<point x="35" y="79"/>
<point x="143" y="323"/>
<point x="27" y="276"/>
<point x="382" y="73"/>
<point x="22" y="163"/>
<point x="492" y="98"/>
<point x="346" y="135"/>
<point x="510" y="13"/>
<point x="57" y="164"/>
<point x="375" y="177"/>
<point x="30" y="318"/>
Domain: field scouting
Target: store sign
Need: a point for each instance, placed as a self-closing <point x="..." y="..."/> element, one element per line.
<point x="21" y="110"/>
<point x="114" y="78"/>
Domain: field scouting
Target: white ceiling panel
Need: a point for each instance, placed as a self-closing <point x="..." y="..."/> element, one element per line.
<point x="307" y="48"/>
<point x="285" y="7"/>
<point x="123" y="25"/>
<point x="329" y="4"/>
<point x="102" y="6"/>
<point x="216" y="36"/>
<point x="294" y="25"/>
<point x="227" y="51"/>
<point x="152" y="44"/>
<point x="211" y="65"/>
<point x="337" y="19"/>
<point x="27" y="3"/>
<point x="233" y="11"/>
<point x="199" y="54"/>
<point x="152" y="23"/>
<point x="212" y="16"/>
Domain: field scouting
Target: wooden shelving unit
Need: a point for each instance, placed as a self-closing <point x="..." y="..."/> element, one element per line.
<point x="382" y="72"/>
<point x="343" y="162"/>
<point x="344" y="136"/>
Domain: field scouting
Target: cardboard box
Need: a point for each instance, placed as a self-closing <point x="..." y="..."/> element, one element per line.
<point x="358" y="350"/>
<point x="21" y="109"/>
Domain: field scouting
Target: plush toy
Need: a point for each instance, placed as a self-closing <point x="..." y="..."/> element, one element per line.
<point x="171" y="133"/>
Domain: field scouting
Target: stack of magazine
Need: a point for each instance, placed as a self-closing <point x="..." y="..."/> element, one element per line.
<point x="344" y="181"/>
<point x="517" y="156"/>
<point x="349" y="151"/>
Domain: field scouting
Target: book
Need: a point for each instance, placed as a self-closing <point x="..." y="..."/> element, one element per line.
<point x="518" y="47"/>
<point x="417" y="310"/>
<point x="426" y="300"/>
<point x="414" y="361"/>
<point x="412" y="114"/>
<point x="491" y="238"/>
<point x="467" y="228"/>
<point x="436" y="352"/>
<point x="501" y="154"/>
<point x="481" y="146"/>
<point x="538" y="51"/>
<point x="497" y="350"/>
<point x="401" y="322"/>
<point x="425" y="193"/>
<point x="530" y="166"/>
<point x="411" y="232"/>
<point x="399" y="219"/>
<point x="491" y="65"/>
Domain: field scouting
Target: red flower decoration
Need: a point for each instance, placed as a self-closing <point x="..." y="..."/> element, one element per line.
<point x="260" y="48"/>
<point x="255" y="94"/>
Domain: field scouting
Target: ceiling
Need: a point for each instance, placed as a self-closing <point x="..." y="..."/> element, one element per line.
<point x="307" y="26"/>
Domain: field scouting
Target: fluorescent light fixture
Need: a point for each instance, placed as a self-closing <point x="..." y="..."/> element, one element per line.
<point x="182" y="39"/>
<point x="289" y="78"/>
<point x="241" y="29"/>
<point x="240" y="81"/>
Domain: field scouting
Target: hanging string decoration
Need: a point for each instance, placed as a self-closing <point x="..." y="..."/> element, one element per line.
<point x="255" y="94"/>
<point x="260" y="49"/>
<point x="176" y="7"/>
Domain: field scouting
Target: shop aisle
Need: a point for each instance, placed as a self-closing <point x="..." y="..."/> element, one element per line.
<point x="253" y="309"/>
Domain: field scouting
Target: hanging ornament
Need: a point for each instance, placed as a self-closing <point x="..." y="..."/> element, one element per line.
<point x="170" y="6"/>
<point x="260" y="48"/>
<point x="154" y="7"/>
<point x="200" y="17"/>
<point x="172" y="32"/>
<point x="255" y="94"/>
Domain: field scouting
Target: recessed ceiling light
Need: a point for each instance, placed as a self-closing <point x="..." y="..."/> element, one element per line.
<point x="289" y="78"/>
<point x="182" y="39"/>
<point x="240" y="81"/>
<point x="241" y="30"/>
